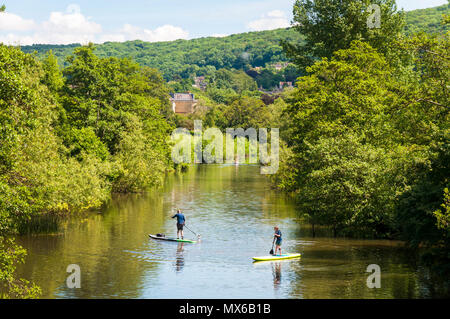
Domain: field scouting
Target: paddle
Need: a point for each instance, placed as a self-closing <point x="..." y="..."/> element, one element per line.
<point x="271" y="251"/>
<point x="191" y="231"/>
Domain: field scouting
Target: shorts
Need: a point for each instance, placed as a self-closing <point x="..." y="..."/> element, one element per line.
<point x="180" y="226"/>
<point x="278" y="242"/>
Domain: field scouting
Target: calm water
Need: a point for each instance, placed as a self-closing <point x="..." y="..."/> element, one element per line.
<point x="234" y="210"/>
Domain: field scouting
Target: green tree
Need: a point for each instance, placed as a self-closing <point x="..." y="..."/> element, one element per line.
<point x="345" y="157"/>
<point x="443" y="213"/>
<point x="105" y="100"/>
<point x="331" y="25"/>
<point x="36" y="176"/>
<point x="268" y="79"/>
<point x="247" y="112"/>
<point x="53" y="77"/>
<point x="11" y="287"/>
<point x="236" y="80"/>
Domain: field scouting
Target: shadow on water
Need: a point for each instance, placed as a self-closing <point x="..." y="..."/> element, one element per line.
<point x="234" y="209"/>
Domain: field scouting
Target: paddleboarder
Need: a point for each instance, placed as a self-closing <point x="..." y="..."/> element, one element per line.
<point x="181" y="220"/>
<point x="278" y="240"/>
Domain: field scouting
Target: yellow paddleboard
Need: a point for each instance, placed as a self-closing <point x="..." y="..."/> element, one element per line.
<point x="277" y="257"/>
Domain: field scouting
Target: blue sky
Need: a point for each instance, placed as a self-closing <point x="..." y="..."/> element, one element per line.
<point x="67" y="21"/>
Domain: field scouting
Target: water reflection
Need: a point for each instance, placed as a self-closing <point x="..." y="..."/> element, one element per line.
<point x="179" y="263"/>
<point x="276" y="271"/>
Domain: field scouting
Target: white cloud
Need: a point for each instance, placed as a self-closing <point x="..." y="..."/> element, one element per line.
<point x="12" y="22"/>
<point x="276" y="14"/>
<point x="45" y="38"/>
<point x="166" y="33"/>
<point x="72" y="23"/>
<point x="15" y="39"/>
<point x="60" y="28"/>
<point x="219" y="35"/>
<point x="129" y="32"/>
<point x="74" y="27"/>
<point x="272" y="20"/>
<point x="112" y="37"/>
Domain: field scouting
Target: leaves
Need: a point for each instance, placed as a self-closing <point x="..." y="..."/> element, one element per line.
<point x="67" y="142"/>
<point x="11" y="287"/>
<point x="366" y="153"/>
<point x="331" y="25"/>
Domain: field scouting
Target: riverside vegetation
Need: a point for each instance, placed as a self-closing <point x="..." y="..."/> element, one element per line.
<point x="71" y="138"/>
<point x="364" y="133"/>
<point x="367" y="152"/>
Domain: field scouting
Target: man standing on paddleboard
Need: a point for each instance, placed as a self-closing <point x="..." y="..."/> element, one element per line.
<point x="181" y="220"/>
<point x="277" y="237"/>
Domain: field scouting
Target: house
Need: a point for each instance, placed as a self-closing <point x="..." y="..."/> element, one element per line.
<point x="200" y="83"/>
<point x="286" y="84"/>
<point x="183" y="103"/>
<point x="280" y="66"/>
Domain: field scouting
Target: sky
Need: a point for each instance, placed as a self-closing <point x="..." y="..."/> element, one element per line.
<point x="28" y="22"/>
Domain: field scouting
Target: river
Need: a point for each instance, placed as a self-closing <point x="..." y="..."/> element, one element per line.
<point x="234" y="209"/>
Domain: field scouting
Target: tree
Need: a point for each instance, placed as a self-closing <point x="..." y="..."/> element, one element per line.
<point x="396" y="125"/>
<point x="247" y="112"/>
<point x="53" y="77"/>
<point x="419" y="209"/>
<point x="236" y="80"/>
<point x="11" y="287"/>
<point x="331" y="25"/>
<point x="269" y="79"/>
<point x="345" y="160"/>
<point x="443" y="213"/>
<point x="105" y="100"/>
<point x="36" y="176"/>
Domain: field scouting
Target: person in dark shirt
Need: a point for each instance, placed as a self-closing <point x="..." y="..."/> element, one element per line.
<point x="277" y="237"/>
<point x="181" y="220"/>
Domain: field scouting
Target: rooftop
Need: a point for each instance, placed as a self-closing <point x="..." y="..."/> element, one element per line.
<point x="182" y="96"/>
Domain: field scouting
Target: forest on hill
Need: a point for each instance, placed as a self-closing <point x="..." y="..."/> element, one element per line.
<point x="183" y="59"/>
<point x="428" y="20"/>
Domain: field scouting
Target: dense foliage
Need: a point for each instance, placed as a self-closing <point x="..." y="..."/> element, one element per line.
<point x="71" y="138"/>
<point x="429" y="19"/>
<point x="185" y="58"/>
<point x="331" y="25"/>
<point x="367" y="150"/>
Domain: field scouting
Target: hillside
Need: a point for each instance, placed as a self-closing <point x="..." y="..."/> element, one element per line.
<point x="428" y="20"/>
<point x="182" y="58"/>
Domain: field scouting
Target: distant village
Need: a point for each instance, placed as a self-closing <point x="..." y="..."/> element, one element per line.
<point x="185" y="103"/>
